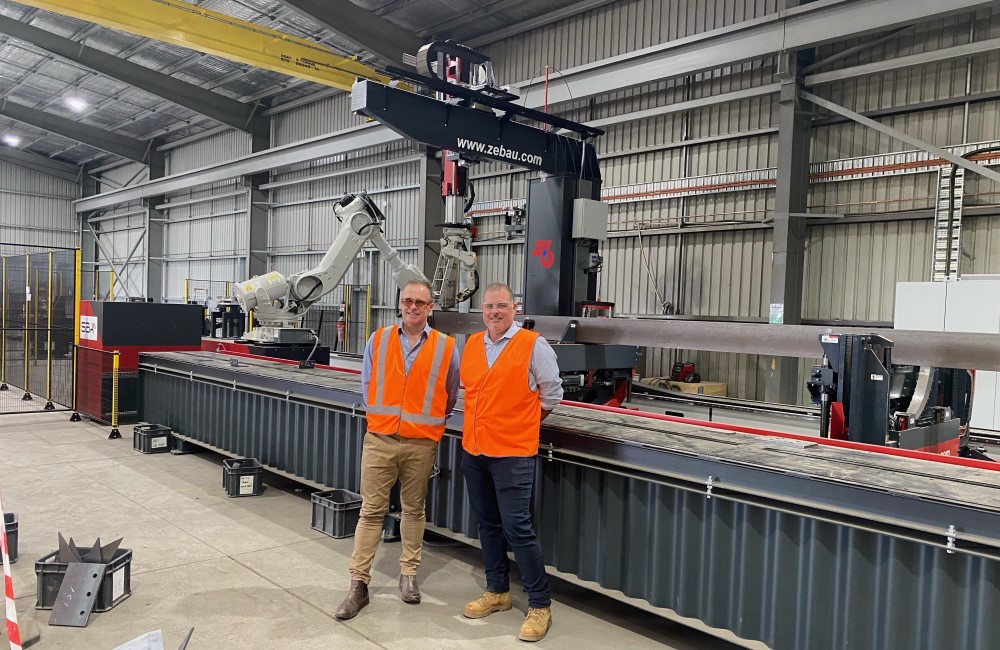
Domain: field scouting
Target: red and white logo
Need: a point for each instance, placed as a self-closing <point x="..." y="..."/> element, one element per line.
<point x="543" y="251"/>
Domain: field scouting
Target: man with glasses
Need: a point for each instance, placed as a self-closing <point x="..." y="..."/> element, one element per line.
<point x="512" y="383"/>
<point x="409" y="382"/>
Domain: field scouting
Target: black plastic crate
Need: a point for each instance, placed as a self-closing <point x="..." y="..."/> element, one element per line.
<point x="10" y="526"/>
<point x="115" y="587"/>
<point x="242" y="477"/>
<point x="336" y="512"/>
<point x="152" y="438"/>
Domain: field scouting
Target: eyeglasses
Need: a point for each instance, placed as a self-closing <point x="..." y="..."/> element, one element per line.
<point x="409" y="302"/>
<point x="500" y="306"/>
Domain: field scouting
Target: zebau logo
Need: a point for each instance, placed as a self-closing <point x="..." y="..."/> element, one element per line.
<point x="543" y="251"/>
<point x="499" y="151"/>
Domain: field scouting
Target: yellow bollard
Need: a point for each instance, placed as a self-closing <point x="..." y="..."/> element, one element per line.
<point x="115" y="433"/>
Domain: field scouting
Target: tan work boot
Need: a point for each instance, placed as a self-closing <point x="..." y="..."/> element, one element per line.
<point x="536" y="624"/>
<point x="357" y="597"/>
<point x="486" y="604"/>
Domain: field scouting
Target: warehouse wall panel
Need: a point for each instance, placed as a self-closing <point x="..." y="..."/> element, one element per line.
<point x="852" y="269"/>
<point x="981" y="244"/>
<point x="707" y="253"/>
<point x="327" y="115"/>
<point x="875" y="195"/>
<point x="614" y="29"/>
<point x="36" y="208"/>
<point x="129" y="174"/>
<point x="221" y="147"/>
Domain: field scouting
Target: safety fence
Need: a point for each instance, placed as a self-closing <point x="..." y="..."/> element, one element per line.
<point x="199" y="291"/>
<point x="38" y="315"/>
<point x="344" y="327"/>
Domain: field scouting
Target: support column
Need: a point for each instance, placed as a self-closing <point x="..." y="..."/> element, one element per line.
<point x="257" y="210"/>
<point x="791" y="194"/>
<point x="88" y="247"/>
<point x="432" y="208"/>
<point x="153" y="290"/>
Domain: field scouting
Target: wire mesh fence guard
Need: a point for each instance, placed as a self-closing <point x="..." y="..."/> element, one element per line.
<point x="38" y="302"/>
<point x="199" y="291"/>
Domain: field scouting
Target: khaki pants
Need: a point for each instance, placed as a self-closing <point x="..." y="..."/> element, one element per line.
<point x="384" y="459"/>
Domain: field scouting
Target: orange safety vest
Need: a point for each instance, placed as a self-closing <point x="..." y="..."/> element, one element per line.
<point x="502" y="415"/>
<point x="410" y="404"/>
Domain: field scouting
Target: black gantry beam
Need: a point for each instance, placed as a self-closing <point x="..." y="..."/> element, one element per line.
<point x="481" y="133"/>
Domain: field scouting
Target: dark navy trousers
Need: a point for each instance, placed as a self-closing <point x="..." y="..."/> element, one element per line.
<point x="500" y="494"/>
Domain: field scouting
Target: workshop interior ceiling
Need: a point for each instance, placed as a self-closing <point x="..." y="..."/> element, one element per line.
<point x="39" y="80"/>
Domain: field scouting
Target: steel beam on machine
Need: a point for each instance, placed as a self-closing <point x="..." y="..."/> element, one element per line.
<point x="939" y="349"/>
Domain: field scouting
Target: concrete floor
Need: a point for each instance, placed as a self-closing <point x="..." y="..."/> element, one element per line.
<point x="250" y="572"/>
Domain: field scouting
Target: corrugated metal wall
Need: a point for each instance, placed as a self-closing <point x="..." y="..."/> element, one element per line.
<point x="703" y="253"/>
<point x="36" y="208"/>
<point x="205" y="239"/>
<point x="704" y="248"/>
<point x="614" y="29"/>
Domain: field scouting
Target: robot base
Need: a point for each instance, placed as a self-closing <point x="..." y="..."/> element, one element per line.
<point x="292" y="351"/>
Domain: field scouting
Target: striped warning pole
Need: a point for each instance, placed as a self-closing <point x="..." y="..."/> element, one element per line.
<point x="13" y="633"/>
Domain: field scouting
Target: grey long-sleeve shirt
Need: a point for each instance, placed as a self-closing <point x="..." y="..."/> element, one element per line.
<point x="543" y="369"/>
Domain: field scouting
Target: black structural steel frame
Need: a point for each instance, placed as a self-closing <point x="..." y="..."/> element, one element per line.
<point x="445" y="125"/>
<point x="793" y="544"/>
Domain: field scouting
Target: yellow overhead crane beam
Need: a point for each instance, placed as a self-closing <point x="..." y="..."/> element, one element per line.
<point x="194" y="28"/>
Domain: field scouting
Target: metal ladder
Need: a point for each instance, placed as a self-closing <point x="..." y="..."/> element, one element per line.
<point x="943" y="244"/>
<point x="444" y="283"/>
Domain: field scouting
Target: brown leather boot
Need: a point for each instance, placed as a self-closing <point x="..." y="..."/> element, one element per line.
<point x="357" y="597"/>
<point x="409" y="589"/>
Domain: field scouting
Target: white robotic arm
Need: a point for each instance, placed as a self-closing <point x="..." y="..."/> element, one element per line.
<point x="456" y="277"/>
<point x="280" y="302"/>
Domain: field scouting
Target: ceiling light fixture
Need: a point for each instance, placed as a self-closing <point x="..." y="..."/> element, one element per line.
<point x="76" y="104"/>
<point x="11" y="140"/>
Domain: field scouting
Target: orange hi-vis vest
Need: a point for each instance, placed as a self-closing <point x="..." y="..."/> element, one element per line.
<point x="410" y="404"/>
<point x="502" y="415"/>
